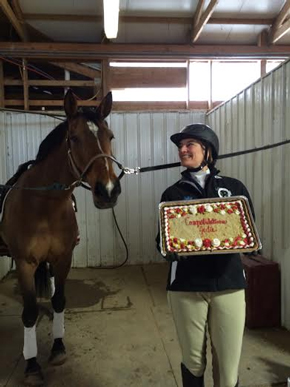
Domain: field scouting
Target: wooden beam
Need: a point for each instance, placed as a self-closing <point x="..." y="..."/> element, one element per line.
<point x="281" y="31"/>
<point x="25" y="84"/>
<point x="106" y="77"/>
<point x="122" y="106"/>
<point x="50" y="83"/>
<point x="19" y="15"/>
<point x="122" y="77"/>
<point x="37" y="102"/>
<point x="91" y="52"/>
<point x="263" y="38"/>
<point x="13" y="19"/>
<point x="148" y="19"/>
<point x="263" y="67"/>
<point x="79" y="69"/>
<point x="277" y="30"/>
<point x="2" y="90"/>
<point x="198" y="13"/>
<point x="203" y="20"/>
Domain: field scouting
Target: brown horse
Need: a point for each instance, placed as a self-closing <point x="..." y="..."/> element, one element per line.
<point x="39" y="223"/>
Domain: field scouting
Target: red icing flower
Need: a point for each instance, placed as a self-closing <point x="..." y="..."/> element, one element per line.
<point x="207" y="242"/>
<point x="201" y="209"/>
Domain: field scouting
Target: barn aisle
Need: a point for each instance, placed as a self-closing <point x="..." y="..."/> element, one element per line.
<point x="119" y="333"/>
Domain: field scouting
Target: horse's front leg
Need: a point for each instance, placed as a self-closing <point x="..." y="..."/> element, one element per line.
<point x="33" y="373"/>
<point x="60" y="272"/>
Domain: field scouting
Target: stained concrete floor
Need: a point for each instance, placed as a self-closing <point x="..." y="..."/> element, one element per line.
<point x="119" y="333"/>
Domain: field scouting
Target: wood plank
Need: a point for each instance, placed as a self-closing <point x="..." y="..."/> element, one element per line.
<point x="25" y="84"/>
<point x="198" y="12"/>
<point x="19" y="15"/>
<point x="13" y="19"/>
<point x="42" y="82"/>
<point x="79" y="69"/>
<point x="91" y="52"/>
<point x="37" y="102"/>
<point x="281" y="31"/>
<point x="203" y="20"/>
<point x="106" y="77"/>
<point x="278" y="22"/>
<point x="147" y="19"/>
<point x="120" y="106"/>
<point x="1" y="85"/>
<point x="123" y="77"/>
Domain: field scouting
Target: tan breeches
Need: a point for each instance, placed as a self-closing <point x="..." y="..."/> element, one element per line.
<point x="224" y="315"/>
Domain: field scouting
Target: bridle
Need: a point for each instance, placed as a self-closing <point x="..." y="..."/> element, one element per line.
<point x="80" y="175"/>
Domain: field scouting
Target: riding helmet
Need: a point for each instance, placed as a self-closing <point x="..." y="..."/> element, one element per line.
<point x="199" y="132"/>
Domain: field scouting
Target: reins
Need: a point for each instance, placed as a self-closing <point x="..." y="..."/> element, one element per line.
<point x="225" y="156"/>
<point x="126" y="170"/>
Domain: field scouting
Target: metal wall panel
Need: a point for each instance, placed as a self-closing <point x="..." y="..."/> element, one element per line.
<point x="260" y="116"/>
<point x="141" y="139"/>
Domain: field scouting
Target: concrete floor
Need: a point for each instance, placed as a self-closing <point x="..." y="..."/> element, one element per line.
<point x="119" y="333"/>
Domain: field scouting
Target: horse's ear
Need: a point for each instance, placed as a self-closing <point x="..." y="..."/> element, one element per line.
<point x="70" y="104"/>
<point x="105" y="107"/>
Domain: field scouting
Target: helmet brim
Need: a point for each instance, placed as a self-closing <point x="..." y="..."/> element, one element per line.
<point x="177" y="137"/>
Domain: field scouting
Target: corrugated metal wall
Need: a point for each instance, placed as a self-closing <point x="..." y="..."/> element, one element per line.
<point x="259" y="116"/>
<point x="142" y="139"/>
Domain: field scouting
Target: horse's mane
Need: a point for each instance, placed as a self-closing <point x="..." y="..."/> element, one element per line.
<point x="51" y="141"/>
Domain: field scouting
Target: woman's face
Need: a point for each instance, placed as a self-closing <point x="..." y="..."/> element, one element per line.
<point x="191" y="153"/>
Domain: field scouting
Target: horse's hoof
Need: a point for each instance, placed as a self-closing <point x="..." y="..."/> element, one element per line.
<point x="57" y="358"/>
<point x="33" y="374"/>
<point x="34" y="379"/>
<point x="57" y="354"/>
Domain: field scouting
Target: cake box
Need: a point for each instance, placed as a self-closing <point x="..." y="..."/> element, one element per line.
<point x="208" y="226"/>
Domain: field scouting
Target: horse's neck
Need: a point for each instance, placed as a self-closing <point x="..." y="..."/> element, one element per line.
<point x="54" y="168"/>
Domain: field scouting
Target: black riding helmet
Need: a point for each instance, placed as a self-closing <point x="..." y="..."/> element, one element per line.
<point x="200" y="132"/>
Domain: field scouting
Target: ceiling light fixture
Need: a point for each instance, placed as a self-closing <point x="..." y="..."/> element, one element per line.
<point x="111" y="18"/>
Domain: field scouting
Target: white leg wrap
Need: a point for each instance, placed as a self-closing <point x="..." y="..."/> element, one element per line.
<point x="58" y="325"/>
<point x="52" y="286"/>
<point x="30" y="344"/>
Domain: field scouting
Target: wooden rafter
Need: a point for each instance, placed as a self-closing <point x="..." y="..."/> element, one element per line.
<point x="19" y="15"/>
<point x="146" y="19"/>
<point x="202" y="19"/>
<point x="279" y="27"/>
<point x="198" y="13"/>
<point x="13" y="19"/>
<point x="79" y="69"/>
<point x="94" y="52"/>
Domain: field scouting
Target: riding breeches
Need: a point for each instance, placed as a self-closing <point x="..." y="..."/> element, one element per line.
<point x="223" y="313"/>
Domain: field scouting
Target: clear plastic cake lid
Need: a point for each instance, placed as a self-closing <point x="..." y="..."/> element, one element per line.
<point x="208" y="226"/>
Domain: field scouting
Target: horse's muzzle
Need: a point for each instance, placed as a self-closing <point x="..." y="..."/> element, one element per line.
<point x="104" y="198"/>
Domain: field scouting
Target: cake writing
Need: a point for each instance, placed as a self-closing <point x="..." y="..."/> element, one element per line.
<point x="209" y="233"/>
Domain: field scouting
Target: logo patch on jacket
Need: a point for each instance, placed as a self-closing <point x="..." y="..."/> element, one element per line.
<point x="224" y="193"/>
<point x="188" y="198"/>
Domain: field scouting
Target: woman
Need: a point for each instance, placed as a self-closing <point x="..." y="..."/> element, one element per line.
<point x="206" y="291"/>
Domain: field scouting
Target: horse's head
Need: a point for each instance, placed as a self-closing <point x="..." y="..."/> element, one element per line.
<point x="88" y="137"/>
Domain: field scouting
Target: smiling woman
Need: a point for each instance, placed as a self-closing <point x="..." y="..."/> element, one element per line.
<point x="204" y="291"/>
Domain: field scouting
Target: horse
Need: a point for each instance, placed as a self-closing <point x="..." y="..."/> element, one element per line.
<point x="39" y="226"/>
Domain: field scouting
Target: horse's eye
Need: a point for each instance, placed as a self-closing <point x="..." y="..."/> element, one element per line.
<point x="74" y="138"/>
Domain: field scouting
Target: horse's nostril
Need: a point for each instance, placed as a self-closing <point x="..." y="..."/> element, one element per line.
<point x="104" y="193"/>
<point x="100" y="190"/>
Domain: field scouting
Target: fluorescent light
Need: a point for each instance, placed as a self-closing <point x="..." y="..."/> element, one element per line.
<point x="111" y="18"/>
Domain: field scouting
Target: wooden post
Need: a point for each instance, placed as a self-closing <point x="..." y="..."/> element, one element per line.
<point x="2" y="90"/>
<point x="263" y="67"/>
<point x="25" y="84"/>
<point x="105" y="77"/>
<point x="187" y="84"/>
<point x="210" y="86"/>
